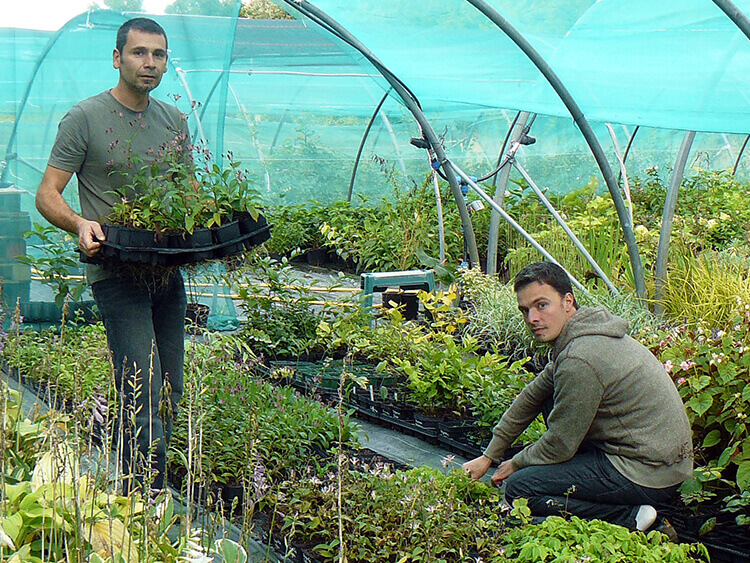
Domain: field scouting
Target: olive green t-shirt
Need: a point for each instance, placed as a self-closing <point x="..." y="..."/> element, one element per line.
<point x="105" y="143"/>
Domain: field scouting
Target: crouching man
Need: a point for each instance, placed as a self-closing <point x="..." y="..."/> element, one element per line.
<point x="618" y="442"/>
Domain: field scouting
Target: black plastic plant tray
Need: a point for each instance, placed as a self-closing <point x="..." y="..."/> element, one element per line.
<point x="170" y="254"/>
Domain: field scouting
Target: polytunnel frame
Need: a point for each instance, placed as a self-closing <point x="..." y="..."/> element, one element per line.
<point x="261" y="157"/>
<point x="327" y="22"/>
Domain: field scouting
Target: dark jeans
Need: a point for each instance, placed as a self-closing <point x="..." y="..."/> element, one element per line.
<point x="144" y="317"/>
<point x="587" y="486"/>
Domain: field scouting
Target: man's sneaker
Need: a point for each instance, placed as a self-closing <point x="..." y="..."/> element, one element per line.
<point x="666" y="528"/>
<point x="645" y="517"/>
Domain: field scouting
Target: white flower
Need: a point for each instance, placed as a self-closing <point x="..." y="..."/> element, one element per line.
<point x="447" y="461"/>
<point x="668" y="366"/>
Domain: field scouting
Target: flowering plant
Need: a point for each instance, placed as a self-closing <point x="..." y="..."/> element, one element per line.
<point x="174" y="195"/>
<point x="711" y="368"/>
<point x="386" y="515"/>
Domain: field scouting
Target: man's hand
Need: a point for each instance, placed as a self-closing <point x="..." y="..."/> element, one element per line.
<point x="90" y="234"/>
<point x="504" y="471"/>
<point x="476" y="468"/>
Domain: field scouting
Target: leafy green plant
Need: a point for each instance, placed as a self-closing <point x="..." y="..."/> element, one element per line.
<point x="296" y="227"/>
<point x="711" y="367"/>
<point x="56" y="262"/>
<point x="73" y="362"/>
<point x="574" y="539"/>
<point x="414" y="515"/>
<point x="280" y="320"/>
<point x="173" y="196"/>
<point x="704" y="288"/>
<point x="56" y="508"/>
<point x="244" y="423"/>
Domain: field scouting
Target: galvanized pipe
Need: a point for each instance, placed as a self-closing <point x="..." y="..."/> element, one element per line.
<point x="512" y="222"/>
<point x="670" y="204"/>
<point x="561" y="222"/>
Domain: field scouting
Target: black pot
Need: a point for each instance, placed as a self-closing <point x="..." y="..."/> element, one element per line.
<point x="131" y="237"/>
<point x="431" y="421"/>
<point x="254" y="231"/>
<point x="317" y="256"/>
<point x="227" y="239"/>
<point x="402" y="411"/>
<point x="199" y="238"/>
<point x="197" y="247"/>
<point x="283" y="547"/>
<point x="407" y="300"/>
<point x="455" y="429"/>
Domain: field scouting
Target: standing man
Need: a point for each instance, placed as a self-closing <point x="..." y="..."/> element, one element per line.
<point x="104" y="140"/>
<point x="618" y="442"/>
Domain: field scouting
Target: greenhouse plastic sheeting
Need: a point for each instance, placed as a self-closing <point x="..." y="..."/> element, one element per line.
<point x="292" y="102"/>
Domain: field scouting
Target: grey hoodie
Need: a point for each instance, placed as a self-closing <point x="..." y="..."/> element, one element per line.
<point x="610" y="390"/>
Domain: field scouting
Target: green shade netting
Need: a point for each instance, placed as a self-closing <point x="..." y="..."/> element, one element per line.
<point x="677" y="64"/>
<point x="292" y="102"/>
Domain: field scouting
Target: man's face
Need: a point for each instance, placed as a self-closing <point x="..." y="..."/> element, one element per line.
<point x="143" y="60"/>
<point x="544" y="310"/>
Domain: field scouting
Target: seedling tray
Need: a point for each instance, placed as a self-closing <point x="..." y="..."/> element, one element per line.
<point x="140" y="246"/>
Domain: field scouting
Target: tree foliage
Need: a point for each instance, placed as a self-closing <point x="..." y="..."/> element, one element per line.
<point x="263" y="10"/>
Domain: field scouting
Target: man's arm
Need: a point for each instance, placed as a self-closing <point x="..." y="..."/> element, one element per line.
<point x="524" y="409"/>
<point x="53" y="207"/>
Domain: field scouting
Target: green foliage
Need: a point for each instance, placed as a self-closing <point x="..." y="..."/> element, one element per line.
<point x="416" y="515"/>
<point x="52" y="510"/>
<point x="280" y="320"/>
<point x="704" y="288"/>
<point x="297" y="227"/>
<point x="263" y="10"/>
<point x="574" y="539"/>
<point x="56" y="262"/>
<point x="73" y="362"/>
<point x="711" y="368"/>
<point x="172" y="196"/>
<point x="591" y="217"/>
<point x="712" y="211"/>
<point x="396" y="234"/>
<point x="245" y="425"/>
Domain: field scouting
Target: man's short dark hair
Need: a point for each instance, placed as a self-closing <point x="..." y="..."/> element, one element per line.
<point x="544" y="272"/>
<point x="146" y="25"/>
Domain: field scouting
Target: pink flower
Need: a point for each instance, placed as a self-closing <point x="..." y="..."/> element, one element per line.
<point x="686" y="365"/>
<point x="668" y="366"/>
<point x="680" y="381"/>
